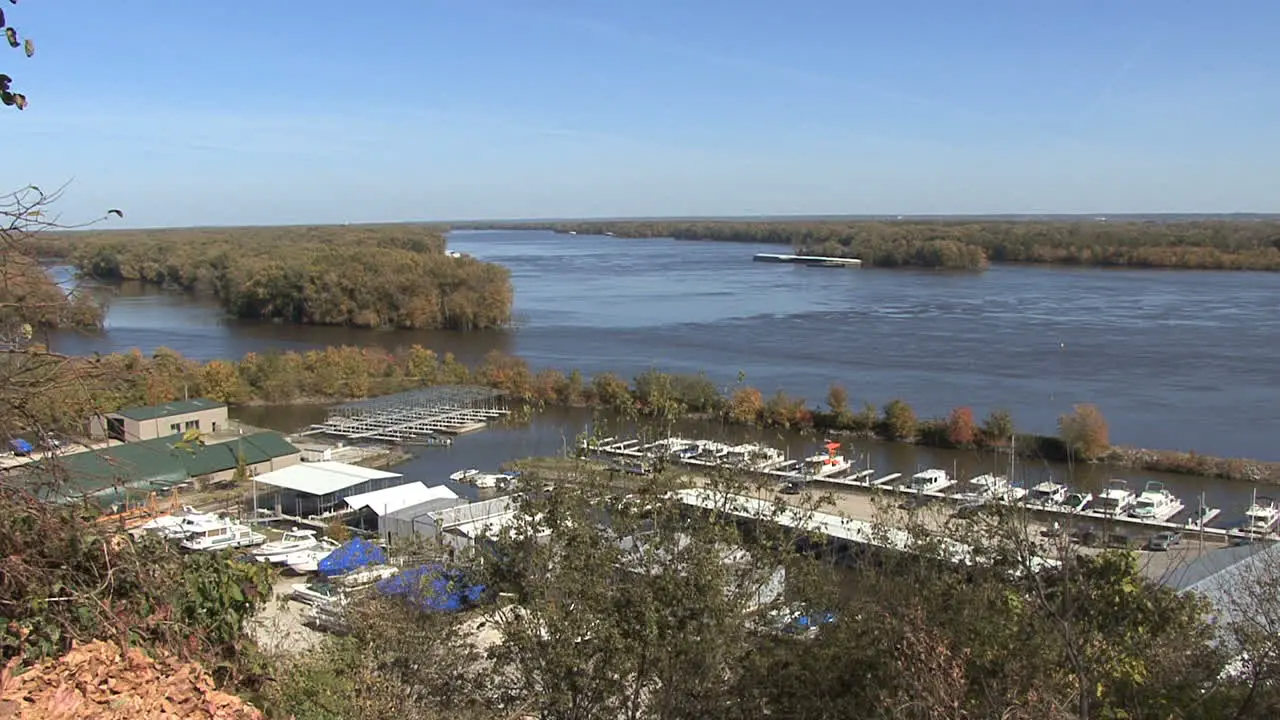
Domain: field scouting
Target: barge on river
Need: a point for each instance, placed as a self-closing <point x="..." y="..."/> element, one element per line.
<point x="810" y="260"/>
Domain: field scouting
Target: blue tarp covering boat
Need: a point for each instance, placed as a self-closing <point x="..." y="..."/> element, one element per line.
<point x="433" y="588"/>
<point x="21" y="446"/>
<point x="355" y="554"/>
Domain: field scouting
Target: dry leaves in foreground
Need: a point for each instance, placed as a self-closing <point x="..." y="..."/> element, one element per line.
<point x="98" y="681"/>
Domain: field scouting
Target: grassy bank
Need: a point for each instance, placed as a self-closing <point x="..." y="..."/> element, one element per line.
<point x="343" y="373"/>
<point x="966" y="244"/>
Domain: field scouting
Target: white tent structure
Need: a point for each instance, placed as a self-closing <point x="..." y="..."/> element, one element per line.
<point x="316" y="490"/>
<point x="389" y="500"/>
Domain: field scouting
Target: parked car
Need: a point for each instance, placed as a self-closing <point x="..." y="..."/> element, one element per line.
<point x="915" y="501"/>
<point x="1164" y="540"/>
<point x="970" y="510"/>
<point x="1086" y="535"/>
<point x="792" y="488"/>
<point x="1121" y="540"/>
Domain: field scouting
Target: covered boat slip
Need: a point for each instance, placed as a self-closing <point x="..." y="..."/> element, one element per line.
<point x="319" y="489"/>
<point x="414" y="415"/>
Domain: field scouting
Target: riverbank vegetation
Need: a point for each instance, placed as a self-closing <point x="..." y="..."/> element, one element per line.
<point x="395" y="276"/>
<point x="673" y="613"/>
<point x="343" y="373"/>
<point x="964" y="244"/>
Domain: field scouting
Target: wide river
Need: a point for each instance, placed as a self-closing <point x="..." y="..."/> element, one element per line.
<point x="1175" y="359"/>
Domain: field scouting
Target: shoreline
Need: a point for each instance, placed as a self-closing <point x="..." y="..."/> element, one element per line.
<point x="345" y="373"/>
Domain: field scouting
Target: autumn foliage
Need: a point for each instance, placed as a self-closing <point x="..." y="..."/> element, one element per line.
<point x="1084" y="432"/>
<point x="962" y="431"/>
<point x="100" y="681"/>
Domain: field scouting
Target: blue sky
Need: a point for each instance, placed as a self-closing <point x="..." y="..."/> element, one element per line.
<point x="186" y="113"/>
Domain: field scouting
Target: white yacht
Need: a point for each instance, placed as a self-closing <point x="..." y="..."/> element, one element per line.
<point x="221" y="535"/>
<point x="1077" y="502"/>
<point x="1261" y="517"/>
<point x="1115" y="500"/>
<point x="931" y="480"/>
<point x="464" y="475"/>
<point x="188" y="524"/>
<point x="991" y="487"/>
<point x="1156" y="503"/>
<point x="291" y="542"/>
<point x="308" y="561"/>
<point x="1047" y="494"/>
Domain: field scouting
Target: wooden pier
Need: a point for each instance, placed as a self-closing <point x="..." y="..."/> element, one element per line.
<point x="415" y="416"/>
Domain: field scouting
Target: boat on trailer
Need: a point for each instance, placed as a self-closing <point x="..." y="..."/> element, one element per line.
<point x="223" y="535"/>
<point x="292" y="541"/>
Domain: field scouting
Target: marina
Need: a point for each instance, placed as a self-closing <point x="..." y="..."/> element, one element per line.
<point x="1155" y="507"/>
<point x="414" y="416"/>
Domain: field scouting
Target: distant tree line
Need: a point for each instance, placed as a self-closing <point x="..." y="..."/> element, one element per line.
<point x="1210" y="244"/>
<point x="342" y="373"/>
<point x="394" y="276"/>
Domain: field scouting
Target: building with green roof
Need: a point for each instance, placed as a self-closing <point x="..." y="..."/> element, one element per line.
<point x="114" y="474"/>
<point x="156" y="421"/>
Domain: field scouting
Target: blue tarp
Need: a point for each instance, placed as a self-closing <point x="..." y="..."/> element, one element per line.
<point x="432" y="588"/>
<point x="20" y="445"/>
<point x="355" y="554"/>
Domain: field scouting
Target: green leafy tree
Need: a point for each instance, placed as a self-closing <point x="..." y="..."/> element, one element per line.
<point x="899" y="422"/>
<point x="997" y="428"/>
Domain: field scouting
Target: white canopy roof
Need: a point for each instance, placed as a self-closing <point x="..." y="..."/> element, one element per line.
<point x="389" y="500"/>
<point x="323" y="478"/>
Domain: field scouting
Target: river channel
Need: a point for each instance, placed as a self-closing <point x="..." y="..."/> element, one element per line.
<point x="1175" y="359"/>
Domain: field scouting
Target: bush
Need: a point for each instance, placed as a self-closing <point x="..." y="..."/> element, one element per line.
<point x="1084" y="432"/>
<point x="899" y="422"/>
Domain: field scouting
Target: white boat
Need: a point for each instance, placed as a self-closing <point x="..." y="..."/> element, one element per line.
<point x="1202" y="516"/>
<point x="291" y="542"/>
<point x="488" y="480"/>
<point x="365" y="576"/>
<point x="1260" y="518"/>
<point x="1077" y="502"/>
<point x="1156" y="503"/>
<point x="1047" y="494"/>
<point x="165" y="523"/>
<point x="995" y="488"/>
<point x="1115" y="500"/>
<point x="188" y="524"/>
<point x="464" y="475"/>
<point x="308" y="561"/>
<point x="824" y="464"/>
<point x="223" y="535"/>
<point x="931" y="480"/>
<point x="315" y="593"/>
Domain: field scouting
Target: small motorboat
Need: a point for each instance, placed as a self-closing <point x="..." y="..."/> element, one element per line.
<point x="292" y="541"/>
<point x="464" y="475"/>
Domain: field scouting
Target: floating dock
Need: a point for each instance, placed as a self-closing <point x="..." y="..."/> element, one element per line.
<point x="414" y="416"/>
<point x="714" y="455"/>
<point x="814" y="260"/>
